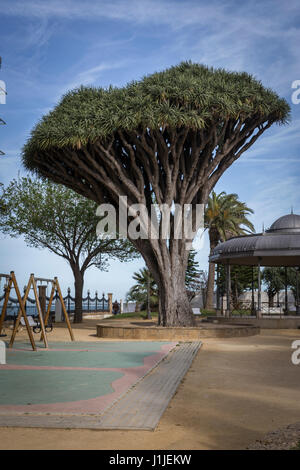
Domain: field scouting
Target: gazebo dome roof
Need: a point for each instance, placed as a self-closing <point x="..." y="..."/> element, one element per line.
<point x="278" y="246"/>
<point x="290" y="222"/>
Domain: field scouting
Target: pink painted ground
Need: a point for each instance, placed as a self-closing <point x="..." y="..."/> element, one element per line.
<point x="94" y="405"/>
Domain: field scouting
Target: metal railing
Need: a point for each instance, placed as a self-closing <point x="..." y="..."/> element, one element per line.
<point x="89" y="305"/>
<point x="278" y="309"/>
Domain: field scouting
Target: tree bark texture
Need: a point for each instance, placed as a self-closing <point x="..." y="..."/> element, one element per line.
<point x="78" y="284"/>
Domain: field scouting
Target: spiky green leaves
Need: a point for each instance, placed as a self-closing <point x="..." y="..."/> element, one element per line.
<point x="187" y="95"/>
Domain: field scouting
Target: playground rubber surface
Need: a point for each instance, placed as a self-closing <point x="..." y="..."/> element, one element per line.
<point x="74" y="378"/>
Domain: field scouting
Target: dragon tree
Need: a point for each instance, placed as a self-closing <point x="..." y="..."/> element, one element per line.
<point x="168" y="139"/>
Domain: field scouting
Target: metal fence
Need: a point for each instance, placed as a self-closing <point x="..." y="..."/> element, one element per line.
<point x="89" y="305"/>
<point x="246" y="307"/>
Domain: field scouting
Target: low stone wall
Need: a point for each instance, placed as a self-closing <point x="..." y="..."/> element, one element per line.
<point x="155" y="333"/>
<point x="264" y="323"/>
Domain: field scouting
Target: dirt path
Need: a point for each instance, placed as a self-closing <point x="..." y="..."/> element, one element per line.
<point x="236" y="390"/>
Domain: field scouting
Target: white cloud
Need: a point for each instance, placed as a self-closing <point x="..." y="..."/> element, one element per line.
<point x="274" y="199"/>
<point x="138" y="11"/>
<point x="237" y="36"/>
<point x="90" y="75"/>
<point x="276" y="145"/>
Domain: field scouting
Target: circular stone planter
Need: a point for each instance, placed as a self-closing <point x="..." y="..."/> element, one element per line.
<point x="147" y="330"/>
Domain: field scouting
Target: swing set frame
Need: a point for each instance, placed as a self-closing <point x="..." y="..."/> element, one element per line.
<point x="12" y="284"/>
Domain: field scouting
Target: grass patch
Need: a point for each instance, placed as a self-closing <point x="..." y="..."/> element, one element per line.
<point x="208" y="313"/>
<point x="213" y="313"/>
<point x="135" y="316"/>
<point x="241" y="312"/>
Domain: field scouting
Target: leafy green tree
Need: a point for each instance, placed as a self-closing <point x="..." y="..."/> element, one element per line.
<point x="293" y="281"/>
<point x="171" y="135"/>
<point x="241" y="281"/>
<point x="273" y="278"/>
<point x="1" y="200"/>
<point x="192" y="276"/>
<point x="225" y="217"/>
<point x="54" y="217"/>
<point x="192" y="270"/>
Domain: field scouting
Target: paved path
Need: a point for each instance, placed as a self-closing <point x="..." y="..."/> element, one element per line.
<point x="140" y="408"/>
<point x="143" y="406"/>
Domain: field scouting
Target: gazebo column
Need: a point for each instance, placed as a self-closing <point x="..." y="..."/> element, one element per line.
<point x="258" y="311"/>
<point x="286" y="303"/>
<point x="252" y="293"/>
<point x="218" y="291"/>
<point x="228" y="285"/>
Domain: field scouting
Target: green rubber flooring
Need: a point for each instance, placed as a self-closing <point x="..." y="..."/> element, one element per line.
<point x="73" y="372"/>
<point x="27" y="387"/>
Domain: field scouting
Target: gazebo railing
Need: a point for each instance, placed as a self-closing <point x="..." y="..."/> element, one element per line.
<point x="246" y="307"/>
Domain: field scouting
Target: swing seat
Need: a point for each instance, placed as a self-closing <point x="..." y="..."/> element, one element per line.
<point x="36" y="325"/>
<point x="33" y="324"/>
<point x="30" y="321"/>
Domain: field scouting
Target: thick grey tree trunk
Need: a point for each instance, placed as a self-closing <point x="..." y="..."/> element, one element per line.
<point x="174" y="305"/>
<point x="174" y="308"/>
<point x="78" y="295"/>
<point x="271" y="299"/>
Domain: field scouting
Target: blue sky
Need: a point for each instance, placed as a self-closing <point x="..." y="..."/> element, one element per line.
<point x="50" y="47"/>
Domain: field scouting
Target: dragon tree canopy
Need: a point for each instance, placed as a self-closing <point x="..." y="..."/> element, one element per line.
<point x="184" y="96"/>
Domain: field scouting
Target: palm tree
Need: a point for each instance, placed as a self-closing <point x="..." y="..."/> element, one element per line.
<point x="225" y="217"/>
<point x="139" y="291"/>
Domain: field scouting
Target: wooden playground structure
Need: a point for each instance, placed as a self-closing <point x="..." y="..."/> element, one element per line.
<point x="11" y="283"/>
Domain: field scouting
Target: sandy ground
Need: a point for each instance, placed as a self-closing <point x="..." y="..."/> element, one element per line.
<point x="236" y="390"/>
